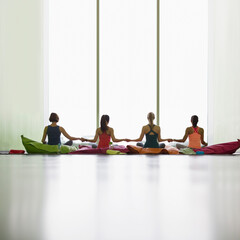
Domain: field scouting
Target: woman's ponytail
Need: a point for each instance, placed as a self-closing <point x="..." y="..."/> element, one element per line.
<point x="151" y="117"/>
<point x="104" y="121"/>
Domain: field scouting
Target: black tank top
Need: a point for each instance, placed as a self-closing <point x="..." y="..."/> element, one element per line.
<point x="151" y="139"/>
<point x="53" y="135"/>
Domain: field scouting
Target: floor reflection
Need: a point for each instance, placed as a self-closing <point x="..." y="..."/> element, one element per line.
<point x="136" y="197"/>
<point x="22" y="199"/>
<point x="225" y="199"/>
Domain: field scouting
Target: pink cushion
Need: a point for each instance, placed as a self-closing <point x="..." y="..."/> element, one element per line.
<point x="222" y="148"/>
<point x="90" y="150"/>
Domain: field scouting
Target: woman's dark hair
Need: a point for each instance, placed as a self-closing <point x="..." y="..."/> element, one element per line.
<point x="104" y="121"/>
<point x="194" y="120"/>
<point x="53" y="117"/>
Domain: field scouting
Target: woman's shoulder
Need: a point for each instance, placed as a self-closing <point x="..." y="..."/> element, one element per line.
<point x="49" y="126"/>
<point x="189" y="129"/>
<point x="110" y="129"/>
<point x="99" y="130"/>
<point x="156" y="128"/>
<point x="147" y="127"/>
<point x="53" y="126"/>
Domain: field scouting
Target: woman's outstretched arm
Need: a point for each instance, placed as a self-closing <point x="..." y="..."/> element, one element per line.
<point x="91" y="140"/>
<point x="44" y="135"/>
<point x="160" y="139"/>
<point x="113" y="137"/>
<point x="63" y="131"/>
<point x="184" y="137"/>
<point x="202" y="139"/>
<point x="138" y="139"/>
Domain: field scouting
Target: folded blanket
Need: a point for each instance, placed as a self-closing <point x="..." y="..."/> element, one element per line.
<point x="187" y="151"/>
<point x="90" y="150"/>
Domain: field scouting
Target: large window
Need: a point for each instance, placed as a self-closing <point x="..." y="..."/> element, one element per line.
<point x="128" y="64"/>
<point x="72" y="57"/>
<point x="183" y="64"/>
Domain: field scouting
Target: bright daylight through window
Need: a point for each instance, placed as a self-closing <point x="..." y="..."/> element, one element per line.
<point x="128" y="56"/>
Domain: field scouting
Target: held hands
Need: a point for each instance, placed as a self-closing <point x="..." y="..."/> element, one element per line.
<point x="170" y="140"/>
<point x="127" y="140"/>
<point x="83" y="139"/>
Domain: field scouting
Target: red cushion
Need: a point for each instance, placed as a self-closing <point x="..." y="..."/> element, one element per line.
<point x="222" y="148"/>
<point x="12" y="151"/>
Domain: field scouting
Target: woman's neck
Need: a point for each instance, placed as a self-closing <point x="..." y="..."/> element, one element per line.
<point x="54" y="124"/>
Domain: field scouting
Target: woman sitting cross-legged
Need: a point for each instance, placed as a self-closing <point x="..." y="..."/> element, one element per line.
<point x="195" y="135"/>
<point x="104" y="133"/>
<point x="152" y="133"/>
<point x="53" y="131"/>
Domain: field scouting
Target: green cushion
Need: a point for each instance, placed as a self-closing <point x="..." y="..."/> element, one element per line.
<point x="32" y="146"/>
<point x="114" y="152"/>
<point x="187" y="151"/>
<point x="67" y="149"/>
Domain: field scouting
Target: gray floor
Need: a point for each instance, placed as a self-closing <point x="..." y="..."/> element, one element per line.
<point x="119" y="197"/>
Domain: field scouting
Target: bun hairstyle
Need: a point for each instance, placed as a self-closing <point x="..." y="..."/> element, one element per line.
<point x="104" y="122"/>
<point x="53" y="117"/>
<point x="151" y="117"/>
<point x="194" y="120"/>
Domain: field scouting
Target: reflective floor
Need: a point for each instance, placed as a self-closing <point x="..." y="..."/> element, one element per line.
<point x="136" y="197"/>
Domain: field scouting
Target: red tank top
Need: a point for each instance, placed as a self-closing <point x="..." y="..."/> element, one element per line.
<point x="104" y="140"/>
<point x="195" y="139"/>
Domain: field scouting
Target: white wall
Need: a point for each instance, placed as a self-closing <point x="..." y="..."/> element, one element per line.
<point x="224" y="70"/>
<point x="21" y="71"/>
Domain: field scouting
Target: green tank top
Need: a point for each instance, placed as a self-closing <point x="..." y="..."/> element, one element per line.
<point x="151" y="139"/>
